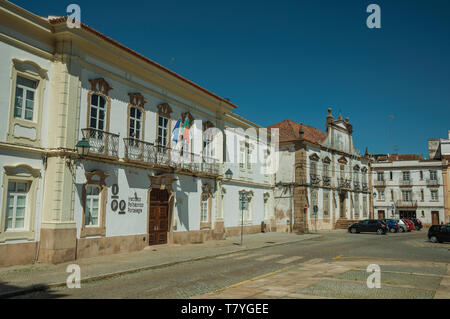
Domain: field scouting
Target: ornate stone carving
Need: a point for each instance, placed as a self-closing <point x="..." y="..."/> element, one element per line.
<point x="137" y="99"/>
<point x="100" y="85"/>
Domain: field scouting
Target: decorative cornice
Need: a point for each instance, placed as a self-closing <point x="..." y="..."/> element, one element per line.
<point x="137" y="99"/>
<point x="100" y="85"/>
<point x="165" y="110"/>
<point x="22" y="66"/>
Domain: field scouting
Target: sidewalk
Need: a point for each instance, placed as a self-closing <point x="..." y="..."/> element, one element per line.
<point x="22" y="279"/>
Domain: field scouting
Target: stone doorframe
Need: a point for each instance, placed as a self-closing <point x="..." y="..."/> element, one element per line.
<point x="162" y="182"/>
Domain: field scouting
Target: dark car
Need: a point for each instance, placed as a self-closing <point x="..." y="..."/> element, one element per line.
<point x="391" y="224"/>
<point x="417" y="223"/>
<point x="369" y="225"/>
<point x="439" y="233"/>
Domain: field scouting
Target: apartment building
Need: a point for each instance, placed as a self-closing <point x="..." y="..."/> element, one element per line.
<point x="408" y="186"/>
<point x="104" y="151"/>
<point x="322" y="181"/>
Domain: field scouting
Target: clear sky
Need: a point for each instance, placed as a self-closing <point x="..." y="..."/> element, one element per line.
<point x="282" y="59"/>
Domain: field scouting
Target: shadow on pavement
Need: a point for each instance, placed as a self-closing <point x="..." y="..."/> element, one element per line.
<point x="8" y="291"/>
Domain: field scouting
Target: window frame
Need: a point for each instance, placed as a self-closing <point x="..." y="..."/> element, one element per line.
<point x="30" y="175"/>
<point x="31" y="71"/>
<point x="206" y="193"/>
<point x="141" y="136"/>
<point x="96" y="178"/>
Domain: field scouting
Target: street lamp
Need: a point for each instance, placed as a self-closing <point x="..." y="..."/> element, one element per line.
<point x="83" y="147"/>
<point x="374" y="195"/>
<point x="229" y="174"/>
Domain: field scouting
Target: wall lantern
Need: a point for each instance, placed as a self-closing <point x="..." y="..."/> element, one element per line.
<point x="374" y="195"/>
<point x="229" y="174"/>
<point x="279" y="184"/>
<point x="83" y="147"/>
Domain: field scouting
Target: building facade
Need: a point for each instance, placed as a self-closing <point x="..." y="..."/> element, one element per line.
<point x="440" y="150"/>
<point x="407" y="186"/>
<point x="322" y="182"/>
<point x="155" y="168"/>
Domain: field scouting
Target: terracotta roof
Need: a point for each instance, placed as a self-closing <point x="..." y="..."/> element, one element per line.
<point x="405" y="157"/>
<point x="114" y="42"/>
<point x="289" y="131"/>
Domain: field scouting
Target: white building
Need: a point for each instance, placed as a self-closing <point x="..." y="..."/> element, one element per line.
<point x="137" y="186"/>
<point x="322" y="182"/>
<point x="407" y="186"/>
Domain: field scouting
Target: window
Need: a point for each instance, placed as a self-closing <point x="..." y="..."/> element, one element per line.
<point x="97" y="112"/>
<point x="342" y="172"/>
<point x="244" y="206"/>
<point x="381" y="194"/>
<point x="421" y="195"/>
<point x="421" y="175"/>
<point x="434" y="196"/>
<point x="163" y="130"/>
<point x="380" y="176"/>
<point x="391" y="175"/>
<point x="313" y="168"/>
<point x="16" y="205"/>
<point x="249" y="157"/>
<point x="204" y="209"/>
<point x="208" y="150"/>
<point x="314" y="201"/>
<point x="95" y="193"/>
<point x="326" y="168"/>
<point x="392" y="195"/>
<point x="91" y="215"/>
<point x="406" y="176"/>
<point x="18" y="198"/>
<point x="406" y="195"/>
<point x="356" y="204"/>
<point x="25" y="98"/>
<point x="135" y="123"/>
<point x="433" y="175"/>
<point x="326" y="203"/>
<point x="355" y="175"/>
<point x="365" y="206"/>
<point x="242" y="157"/>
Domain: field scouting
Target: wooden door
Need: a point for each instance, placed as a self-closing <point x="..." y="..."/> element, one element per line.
<point x="342" y="205"/>
<point x="381" y="214"/>
<point x="158" y="217"/>
<point x="435" y="218"/>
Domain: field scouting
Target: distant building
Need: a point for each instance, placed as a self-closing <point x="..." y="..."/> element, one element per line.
<point x="322" y="182"/>
<point x="442" y="153"/>
<point x="408" y="186"/>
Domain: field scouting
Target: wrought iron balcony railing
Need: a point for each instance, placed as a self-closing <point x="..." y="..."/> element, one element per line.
<point x="344" y="183"/>
<point x="405" y="182"/>
<point x="158" y="155"/>
<point x="315" y="179"/>
<point x="432" y="182"/>
<point x="326" y="181"/>
<point x="102" y="143"/>
<point x="378" y="182"/>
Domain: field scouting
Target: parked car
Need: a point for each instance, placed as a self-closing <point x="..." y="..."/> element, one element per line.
<point x="402" y="226"/>
<point x="417" y="223"/>
<point x="410" y="224"/>
<point x="369" y="225"/>
<point x="391" y="224"/>
<point x="439" y="233"/>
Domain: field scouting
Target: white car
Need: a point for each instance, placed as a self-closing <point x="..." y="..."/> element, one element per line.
<point x="402" y="226"/>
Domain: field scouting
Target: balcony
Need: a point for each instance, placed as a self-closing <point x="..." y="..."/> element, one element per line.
<point x="432" y="182"/>
<point x="405" y="182"/>
<point x="379" y="183"/>
<point x="326" y="181"/>
<point x="102" y="143"/>
<point x="165" y="157"/>
<point x="406" y="204"/>
<point x="315" y="179"/>
<point x="344" y="183"/>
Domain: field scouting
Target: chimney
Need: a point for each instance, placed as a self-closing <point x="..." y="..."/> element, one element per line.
<point x="329" y="119"/>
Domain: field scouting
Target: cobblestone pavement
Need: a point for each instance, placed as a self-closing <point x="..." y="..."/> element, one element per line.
<point x="332" y="266"/>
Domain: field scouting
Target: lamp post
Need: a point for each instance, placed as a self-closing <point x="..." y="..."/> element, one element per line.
<point x="83" y="147"/>
<point x="242" y="196"/>
<point x="229" y="174"/>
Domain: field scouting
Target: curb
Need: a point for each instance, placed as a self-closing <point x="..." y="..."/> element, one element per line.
<point x="44" y="287"/>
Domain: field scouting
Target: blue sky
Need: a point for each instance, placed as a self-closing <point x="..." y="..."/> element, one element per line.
<point x="282" y="60"/>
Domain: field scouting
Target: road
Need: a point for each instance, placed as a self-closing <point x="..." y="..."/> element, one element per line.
<point x="411" y="266"/>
